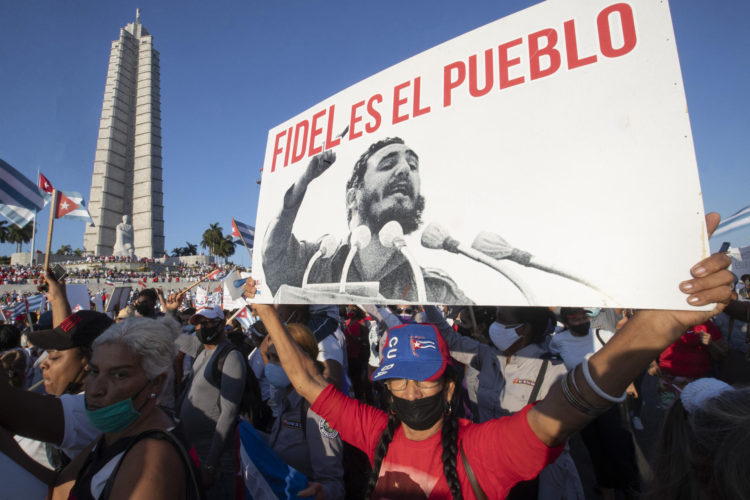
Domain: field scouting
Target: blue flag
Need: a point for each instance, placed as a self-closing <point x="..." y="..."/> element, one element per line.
<point x="20" y="198"/>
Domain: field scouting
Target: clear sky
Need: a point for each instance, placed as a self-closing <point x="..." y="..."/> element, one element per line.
<point x="232" y="70"/>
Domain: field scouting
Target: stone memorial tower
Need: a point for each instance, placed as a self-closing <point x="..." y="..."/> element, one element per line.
<point x="127" y="178"/>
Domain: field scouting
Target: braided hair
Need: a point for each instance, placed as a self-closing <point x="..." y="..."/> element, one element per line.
<point x="450" y="438"/>
<point x="385" y="440"/>
<point x="449" y="435"/>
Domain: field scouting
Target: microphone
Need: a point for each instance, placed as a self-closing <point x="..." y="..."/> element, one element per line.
<point x="392" y="236"/>
<point x="495" y="246"/>
<point x="437" y="238"/>
<point x="328" y="245"/>
<point x="359" y="238"/>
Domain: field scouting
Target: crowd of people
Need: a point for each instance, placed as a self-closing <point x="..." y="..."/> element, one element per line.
<point x="25" y="275"/>
<point x="370" y="401"/>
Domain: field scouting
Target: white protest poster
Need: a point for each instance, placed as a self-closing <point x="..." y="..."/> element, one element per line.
<point x="78" y="297"/>
<point x="543" y="159"/>
<point x="118" y="299"/>
<point x="232" y="289"/>
<point x="98" y="303"/>
<point x="201" y="297"/>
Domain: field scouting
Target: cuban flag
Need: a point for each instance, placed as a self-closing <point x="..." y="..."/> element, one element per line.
<point x="213" y="274"/>
<point x="734" y="221"/>
<point x="34" y="303"/>
<point x="46" y="187"/>
<point x="418" y="343"/>
<point x="71" y="205"/>
<point x="242" y="232"/>
<point x="264" y="473"/>
<point x="245" y="318"/>
<point x="20" y="198"/>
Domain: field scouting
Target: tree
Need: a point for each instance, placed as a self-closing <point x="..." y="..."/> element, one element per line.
<point x="177" y="252"/>
<point x="20" y="235"/>
<point x="64" y="250"/>
<point x="190" y="248"/>
<point x="4" y="229"/>
<point x="225" y="247"/>
<point x="78" y="252"/>
<point x="212" y="238"/>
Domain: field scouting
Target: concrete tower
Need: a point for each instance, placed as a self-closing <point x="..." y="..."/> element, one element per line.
<point x="127" y="178"/>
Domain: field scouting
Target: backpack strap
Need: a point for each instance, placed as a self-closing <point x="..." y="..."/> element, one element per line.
<point x="221" y="356"/>
<point x="538" y="382"/>
<point x="478" y="492"/>
<point x="166" y="436"/>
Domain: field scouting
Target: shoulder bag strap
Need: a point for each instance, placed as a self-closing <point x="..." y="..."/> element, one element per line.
<point x="157" y="434"/>
<point x="538" y="382"/>
<point x="478" y="492"/>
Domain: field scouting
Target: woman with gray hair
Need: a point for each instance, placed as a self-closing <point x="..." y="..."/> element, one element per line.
<point x="137" y="456"/>
<point x="705" y="445"/>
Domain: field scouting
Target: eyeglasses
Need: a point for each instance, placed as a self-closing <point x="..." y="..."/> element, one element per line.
<point x="399" y="384"/>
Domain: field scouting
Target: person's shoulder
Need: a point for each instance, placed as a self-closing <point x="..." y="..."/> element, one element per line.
<point x="151" y="456"/>
<point x="233" y="357"/>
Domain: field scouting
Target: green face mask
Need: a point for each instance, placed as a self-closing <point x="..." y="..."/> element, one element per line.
<point x="115" y="417"/>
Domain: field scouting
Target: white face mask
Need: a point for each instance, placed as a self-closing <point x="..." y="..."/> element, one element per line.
<point x="503" y="336"/>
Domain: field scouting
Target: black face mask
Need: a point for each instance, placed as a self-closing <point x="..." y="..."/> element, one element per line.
<point x="144" y="309"/>
<point x="208" y="335"/>
<point x="582" y="329"/>
<point x="420" y="414"/>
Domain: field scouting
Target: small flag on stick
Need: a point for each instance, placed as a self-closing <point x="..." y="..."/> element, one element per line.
<point x="46" y="187"/>
<point x="71" y="205"/>
<point x="243" y="233"/>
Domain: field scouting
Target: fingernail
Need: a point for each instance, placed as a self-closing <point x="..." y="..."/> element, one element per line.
<point x="686" y="286"/>
<point x="694" y="299"/>
<point x="699" y="271"/>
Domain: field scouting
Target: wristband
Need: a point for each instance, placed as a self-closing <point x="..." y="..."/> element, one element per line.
<point x="599" y="392"/>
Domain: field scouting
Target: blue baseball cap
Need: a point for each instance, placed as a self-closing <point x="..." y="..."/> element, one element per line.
<point x="413" y="351"/>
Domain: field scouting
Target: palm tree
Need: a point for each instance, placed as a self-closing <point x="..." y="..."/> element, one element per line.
<point x="212" y="238"/>
<point x="20" y="235"/>
<point x="4" y="231"/>
<point x="190" y="248"/>
<point x="225" y="247"/>
<point x="78" y="252"/>
<point x="178" y="252"/>
<point x="64" y="250"/>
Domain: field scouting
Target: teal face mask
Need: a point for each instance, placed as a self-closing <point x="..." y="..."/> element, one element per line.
<point x="115" y="417"/>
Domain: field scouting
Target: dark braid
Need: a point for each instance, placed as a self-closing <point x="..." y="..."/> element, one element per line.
<point x="450" y="454"/>
<point x="385" y="439"/>
<point x="450" y="437"/>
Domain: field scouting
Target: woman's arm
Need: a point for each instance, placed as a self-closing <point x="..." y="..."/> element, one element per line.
<point x="301" y="370"/>
<point x="13" y="450"/>
<point x="31" y="414"/>
<point x="463" y="349"/>
<point x="630" y="352"/>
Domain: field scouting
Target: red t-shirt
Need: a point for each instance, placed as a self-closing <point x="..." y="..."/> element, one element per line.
<point x="501" y="452"/>
<point x="688" y="357"/>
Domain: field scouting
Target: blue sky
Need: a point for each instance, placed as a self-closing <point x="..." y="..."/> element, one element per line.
<point x="232" y="70"/>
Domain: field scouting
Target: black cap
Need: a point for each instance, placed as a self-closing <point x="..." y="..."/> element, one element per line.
<point x="77" y="330"/>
